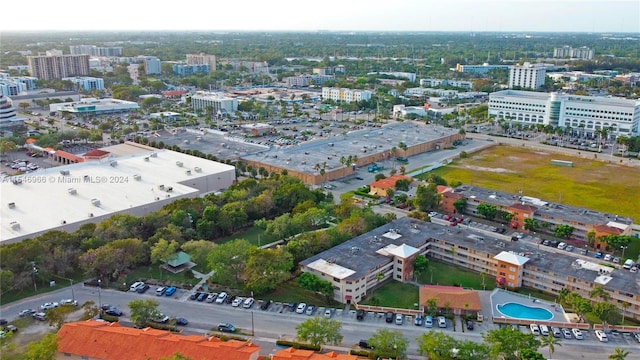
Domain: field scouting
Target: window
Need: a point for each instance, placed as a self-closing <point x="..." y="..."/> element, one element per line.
<point x="511" y="277"/>
<point x="399" y="261"/>
<point x="398" y="269"/>
<point x="512" y="269"/>
<point x="398" y="276"/>
<point x="349" y="282"/>
<point x="349" y="290"/>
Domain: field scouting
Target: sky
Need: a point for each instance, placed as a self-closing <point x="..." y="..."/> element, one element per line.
<point x="332" y="15"/>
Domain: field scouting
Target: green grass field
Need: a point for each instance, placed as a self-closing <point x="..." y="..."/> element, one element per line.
<point x="450" y="275"/>
<point x="292" y="292"/>
<point x="394" y="294"/>
<point x="254" y="235"/>
<point x="591" y="184"/>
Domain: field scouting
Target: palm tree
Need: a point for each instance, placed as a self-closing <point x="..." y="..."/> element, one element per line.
<point x="619" y="354"/>
<point x="599" y="291"/>
<point x="551" y="343"/>
<point x="625" y="305"/>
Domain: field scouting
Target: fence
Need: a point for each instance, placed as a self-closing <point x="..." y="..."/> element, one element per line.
<point x="382" y="309"/>
<point x="581" y="326"/>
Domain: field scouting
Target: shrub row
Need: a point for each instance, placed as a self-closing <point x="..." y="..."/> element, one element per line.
<point x="297" y="345"/>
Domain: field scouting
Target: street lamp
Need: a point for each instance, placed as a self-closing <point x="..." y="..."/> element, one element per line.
<point x="99" y="295"/>
<point x="34" y="272"/>
<point x="623" y="249"/>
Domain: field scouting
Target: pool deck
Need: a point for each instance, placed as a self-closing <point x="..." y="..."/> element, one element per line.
<point x="501" y="297"/>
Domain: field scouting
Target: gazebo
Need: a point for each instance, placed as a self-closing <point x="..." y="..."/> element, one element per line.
<point x="178" y="262"/>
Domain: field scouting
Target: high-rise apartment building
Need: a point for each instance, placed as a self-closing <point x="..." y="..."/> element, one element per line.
<point x="528" y="76"/>
<point x="567" y="52"/>
<point x="202" y="59"/>
<point x="95" y="50"/>
<point x="58" y="67"/>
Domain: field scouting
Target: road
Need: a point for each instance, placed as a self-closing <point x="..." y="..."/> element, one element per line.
<point x="277" y="323"/>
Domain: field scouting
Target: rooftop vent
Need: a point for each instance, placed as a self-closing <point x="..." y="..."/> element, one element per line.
<point x="197" y="169"/>
<point x="188" y="172"/>
<point x="137" y="177"/>
<point x="113" y="163"/>
<point x="90" y="215"/>
<point x="179" y="163"/>
<point x="72" y="191"/>
<point x="64" y="172"/>
<point x="146" y="158"/>
<point x="95" y="202"/>
<point x="14" y="225"/>
<point x="161" y="187"/>
<point x="155" y="155"/>
<point x="11" y="205"/>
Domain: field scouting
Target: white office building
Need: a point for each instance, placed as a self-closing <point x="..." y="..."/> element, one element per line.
<point x="345" y="95"/>
<point x="215" y="102"/>
<point x="152" y="64"/>
<point x="86" y="83"/>
<point x="528" y="76"/>
<point x="8" y="116"/>
<point x="584" y="114"/>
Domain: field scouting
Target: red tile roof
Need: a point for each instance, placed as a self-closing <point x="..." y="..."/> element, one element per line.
<point x="68" y="156"/>
<point x="525" y="207"/>
<point x="174" y="93"/>
<point x="110" y="341"/>
<point x="295" y="354"/>
<point x="457" y="297"/>
<point x="604" y="228"/>
<point x="390" y="182"/>
<point x="96" y="153"/>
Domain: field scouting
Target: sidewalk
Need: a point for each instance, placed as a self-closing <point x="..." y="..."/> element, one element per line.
<point x="203" y="280"/>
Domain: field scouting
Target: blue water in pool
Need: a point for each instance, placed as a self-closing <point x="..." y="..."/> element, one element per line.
<point x="519" y="311"/>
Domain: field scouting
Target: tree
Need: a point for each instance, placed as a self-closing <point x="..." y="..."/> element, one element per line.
<point x="487" y="210"/>
<point x="7" y="146"/>
<point x="228" y="260"/>
<point x="388" y="343"/>
<point x="550" y="342"/>
<point x="143" y="311"/>
<point x="460" y="205"/>
<point x="562" y="231"/>
<point x="319" y="331"/>
<point x="426" y="198"/>
<point x="44" y="349"/>
<point x="619" y="354"/>
<point x="420" y="263"/>
<point x="266" y="269"/>
<point x="530" y="224"/>
<point x="507" y="342"/>
<point x="436" y="345"/>
<point x="607" y="312"/>
<point x="599" y="292"/>
<point x="163" y="250"/>
<point x="56" y="317"/>
<point x="471" y="350"/>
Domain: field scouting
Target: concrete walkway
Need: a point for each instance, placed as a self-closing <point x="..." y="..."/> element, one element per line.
<point x="203" y="280"/>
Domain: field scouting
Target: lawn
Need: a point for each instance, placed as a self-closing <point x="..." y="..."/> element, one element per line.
<point x="589" y="183"/>
<point x="254" y="235"/>
<point x="394" y="294"/>
<point x="292" y="292"/>
<point x="155" y="273"/>
<point x="440" y="273"/>
<point x="42" y="287"/>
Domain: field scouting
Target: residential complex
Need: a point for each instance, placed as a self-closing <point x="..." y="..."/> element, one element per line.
<point x="15" y="85"/>
<point x="129" y="179"/>
<point x="95" y="50"/>
<point x="446" y="83"/>
<point x="86" y="83"/>
<point x="58" y="66"/>
<point x="345" y="95"/>
<point x="527" y="75"/>
<point x="306" y="80"/>
<point x="480" y="69"/>
<point x="187" y="69"/>
<point x="567" y="52"/>
<point x="152" y="65"/>
<point x="357" y="266"/>
<point x="8" y="117"/>
<point x="584" y="114"/>
<point x="547" y="214"/>
<point x="202" y="59"/>
<point x="214" y="102"/>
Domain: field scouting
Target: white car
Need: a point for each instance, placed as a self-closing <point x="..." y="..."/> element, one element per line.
<point x="49" y="306"/>
<point x="562" y="246"/>
<point x="577" y="333"/>
<point x="566" y="333"/>
<point x="221" y="298"/>
<point x="601" y="336"/>
<point x="301" y="307"/>
<point x="211" y="297"/>
<point x="327" y="313"/>
<point x="237" y="301"/>
<point x="248" y="302"/>
<point x="69" y="302"/>
<point x="608" y="257"/>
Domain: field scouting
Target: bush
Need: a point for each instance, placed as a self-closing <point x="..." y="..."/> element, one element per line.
<point x="363" y="353"/>
<point x="297" y="345"/>
<point x="109" y="318"/>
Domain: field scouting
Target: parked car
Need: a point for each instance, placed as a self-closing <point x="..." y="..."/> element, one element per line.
<point x="556" y="332"/>
<point x="637" y="336"/>
<point x="49" y="306"/>
<point x="566" y="333"/>
<point x="161" y="319"/>
<point x="364" y="344"/>
<point x="70" y="302"/>
<point x="328" y="313"/>
<point x="469" y="324"/>
<point x="143" y="289"/>
<point x="569" y="248"/>
<point x="598" y="255"/>
<point x="577" y="333"/>
<point x="428" y="321"/>
<point x="388" y="317"/>
<point x="113" y="311"/>
<point x="26" y="312"/>
<point x="562" y="246"/>
<point x="535" y="329"/>
<point x="399" y="319"/>
<point x="310" y="310"/>
<point x="248" y="303"/>
<point x="193" y="296"/>
<point x="202" y="297"/>
<point x="360" y="315"/>
<point x="237" y="301"/>
<point x="40" y="316"/>
<point x="170" y="291"/>
<point x="601" y="336"/>
<point x="182" y="321"/>
<point x="265" y="304"/>
<point x="418" y="320"/>
<point x="301" y="308"/>
<point x="160" y="291"/>
<point x="221" y="298"/>
<point x="442" y="322"/>
<point x="10" y="328"/>
<point x="136" y="285"/>
<point x="211" y="297"/>
<point x="226" y="327"/>
<point x="608" y="257"/>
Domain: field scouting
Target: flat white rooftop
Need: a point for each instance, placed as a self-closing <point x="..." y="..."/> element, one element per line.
<point x="84" y="192"/>
<point x="331" y="269"/>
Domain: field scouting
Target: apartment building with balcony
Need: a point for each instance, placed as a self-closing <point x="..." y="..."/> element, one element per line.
<point x="527" y="75"/>
<point x="57" y="67"/>
<point x="345" y="95"/>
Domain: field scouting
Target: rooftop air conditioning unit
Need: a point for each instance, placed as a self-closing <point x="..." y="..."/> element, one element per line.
<point x="146" y="158"/>
<point x="15" y="225"/>
<point x="161" y="187"/>
<point x="64" y="172"/>
<point x="113" y="163"/>
<point x="155" y="155"/>
<point x="179" y="163"/>
<point x="72" y="191"/>
<point x="197" y="169"/>
<point x="11" y="205"/>
<point x="90" y="214"/>
<point x="137" y="177"/>
<point x="95" y="202"/>
<point x="188" y="172"/>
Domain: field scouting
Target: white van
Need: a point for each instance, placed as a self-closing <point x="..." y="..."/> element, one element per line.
<point x="627" y="264"/>
<point x="136" y="285"/>
<point x="535" y="330"/>
<point x="544" y="330"/>
<point x="556" y="332"/>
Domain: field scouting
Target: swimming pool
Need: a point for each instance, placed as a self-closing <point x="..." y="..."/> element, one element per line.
<point x="519" y="311"/>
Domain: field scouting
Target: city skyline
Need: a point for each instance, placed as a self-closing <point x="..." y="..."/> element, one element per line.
<point x="621" y="16"/>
